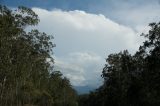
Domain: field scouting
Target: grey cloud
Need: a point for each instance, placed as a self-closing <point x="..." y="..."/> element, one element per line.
<point x="83" y="41"/>
<point x="81" y="68"/>
<point x="132" y="13"/>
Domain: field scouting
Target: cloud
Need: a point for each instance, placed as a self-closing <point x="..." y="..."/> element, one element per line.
<point x="133" y="13"/>
<point x="83" y="41"/>
<point x="142" y="15"/>
<point x="79" y="30"/>
<point x="82" y="68"/>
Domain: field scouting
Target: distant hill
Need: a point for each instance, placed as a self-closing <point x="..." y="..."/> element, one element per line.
<point x="83" y="89"/>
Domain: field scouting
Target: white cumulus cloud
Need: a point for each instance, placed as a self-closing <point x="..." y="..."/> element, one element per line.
<point x="82" y="68"/>
<point x="83" y="42"/>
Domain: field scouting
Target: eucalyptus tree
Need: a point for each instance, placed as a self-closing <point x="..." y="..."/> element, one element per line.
<point x="26" y="62"/>
<point x="131" y="80"/>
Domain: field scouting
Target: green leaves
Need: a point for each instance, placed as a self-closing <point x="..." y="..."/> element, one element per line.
<point x="131" y="80"/>
<point x="26" y="63"/>
<point x="25" y="16"/>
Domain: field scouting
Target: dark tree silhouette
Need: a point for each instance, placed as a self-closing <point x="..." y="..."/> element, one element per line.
<point x="26" y="64"/>
<point x="131" y="80"/>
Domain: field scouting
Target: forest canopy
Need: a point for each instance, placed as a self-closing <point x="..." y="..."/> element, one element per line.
<point x="26" y="63"/>
<point x="28" y="78"/>
<point x="130" y="80"/>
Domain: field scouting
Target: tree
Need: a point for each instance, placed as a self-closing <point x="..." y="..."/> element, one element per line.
<point x="26" y="62"/>
<point x="150" y="50"/>
<point x="131" y="80"/>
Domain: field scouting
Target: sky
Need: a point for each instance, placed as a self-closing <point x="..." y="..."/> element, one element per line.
<point x="87" y="31"/>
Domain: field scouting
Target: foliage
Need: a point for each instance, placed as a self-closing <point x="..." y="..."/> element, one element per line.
<point x="27" y="77"/>
<point x="26" y="64"/>
<point x="131" y="80"/>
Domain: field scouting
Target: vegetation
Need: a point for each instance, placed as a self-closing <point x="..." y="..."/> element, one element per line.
<point x="26" y="65"/>
<point x="130" y="80"/>
<point x="27" y="77"/>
